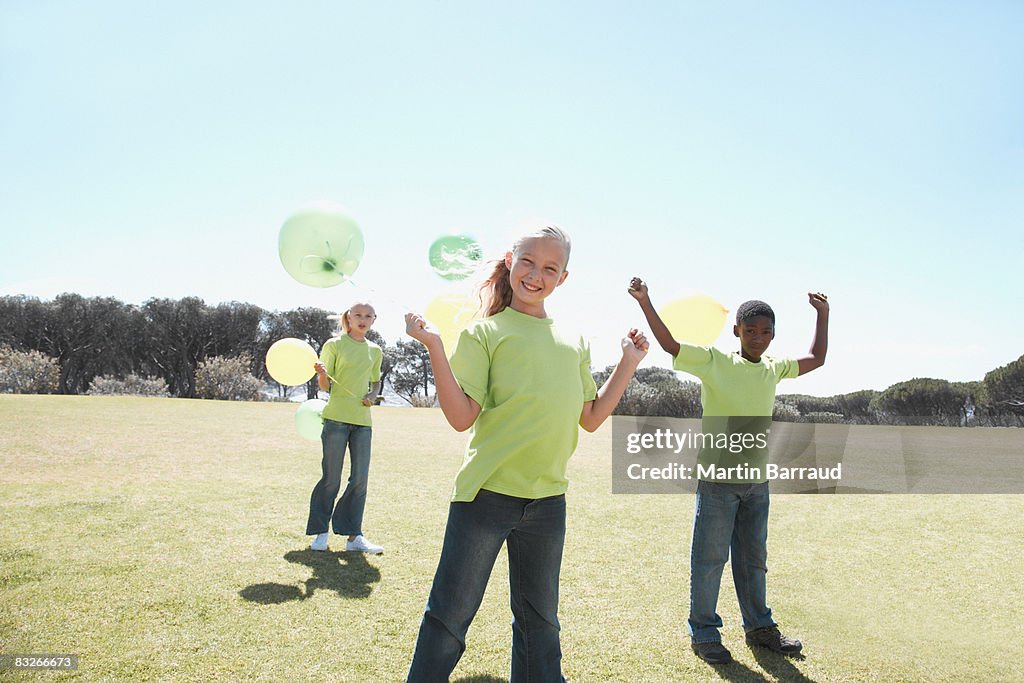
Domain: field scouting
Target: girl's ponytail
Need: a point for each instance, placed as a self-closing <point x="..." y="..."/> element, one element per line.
<point x="496" y="291"/>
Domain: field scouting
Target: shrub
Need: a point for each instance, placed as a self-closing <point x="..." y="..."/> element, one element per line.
<point x="28" y="372"/>
<point x="785" y="412"/>
<point x="132" y="385"/>
<point x="420" y="401"/>
<point x="225" y="378"/>
<point x="823" y="418"/>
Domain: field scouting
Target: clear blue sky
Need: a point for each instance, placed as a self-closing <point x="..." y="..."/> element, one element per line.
<point x="874" y="151"/>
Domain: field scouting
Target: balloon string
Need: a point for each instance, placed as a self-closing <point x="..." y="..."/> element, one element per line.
<point x="342" y="387"/>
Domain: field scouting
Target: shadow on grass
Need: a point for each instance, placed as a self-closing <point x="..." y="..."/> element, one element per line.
<point x="481" y="678"/>
<point x="347" y="574"/>
<point x="780" y="666"/>
<point x="739" y="673"/>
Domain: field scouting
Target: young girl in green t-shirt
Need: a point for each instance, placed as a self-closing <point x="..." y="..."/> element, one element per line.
<point x="349" y="367"/>
<point x="521" y="387"/>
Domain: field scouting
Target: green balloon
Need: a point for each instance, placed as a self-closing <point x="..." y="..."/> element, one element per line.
<point x="455" y="257"/>
<point x="320" y="246"/>
<point x="308" y="419"/>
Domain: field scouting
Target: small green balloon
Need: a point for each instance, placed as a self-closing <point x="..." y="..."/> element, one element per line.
<point x="309" y="419"/>
<point x="455" y="257"/>
<point x="320" y="246"/>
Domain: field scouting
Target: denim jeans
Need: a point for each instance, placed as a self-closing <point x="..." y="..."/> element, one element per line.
<point x="534" y="531"/>
<point x="728" y="516"/>
<point x="347" y="519"/>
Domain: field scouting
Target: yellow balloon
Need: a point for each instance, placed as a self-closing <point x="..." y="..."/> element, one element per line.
<point x="450" y="314"/>
<point x="290" y="361"/>
<point x="695" y="319"/>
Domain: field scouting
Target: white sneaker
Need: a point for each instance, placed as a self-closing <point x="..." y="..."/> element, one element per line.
<point x="361" y="545"/>
<point x="319" y="543"/>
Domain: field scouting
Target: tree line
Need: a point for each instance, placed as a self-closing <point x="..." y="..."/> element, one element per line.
<point x="168" y="339"/>
<point x="91" y="337"/>
<point x="996" y="400"/>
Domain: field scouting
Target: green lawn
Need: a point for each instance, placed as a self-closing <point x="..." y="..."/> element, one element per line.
<point x="163" y="539"/>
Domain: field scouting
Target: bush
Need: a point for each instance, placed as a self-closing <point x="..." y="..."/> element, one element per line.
<point x="28" y="372"/>
<point x="132" y="385"/>
<point x="418" y="401"/>
<point x="785" y="412"/>
<point x="227" y="379"/>
<point x="636" y="400"/>
<point x="823" y="418"/>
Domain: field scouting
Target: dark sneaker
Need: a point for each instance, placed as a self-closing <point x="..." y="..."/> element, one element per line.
<point x="712" y="653"/>
<point x="770" y="638"/>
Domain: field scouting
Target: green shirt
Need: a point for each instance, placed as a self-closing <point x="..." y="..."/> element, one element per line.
<point x="352" y="365"/>
<point x="733" y="391"/>
<point x="531" y="383"/>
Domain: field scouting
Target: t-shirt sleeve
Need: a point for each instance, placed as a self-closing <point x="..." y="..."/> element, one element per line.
<point x="378" y="358"/>
<point x="787" y="369"/>
<point x="586" y="378"/>
<point x="471" y="365"/>
<point x="328" y="356"/>
<point x="692" y="359"/>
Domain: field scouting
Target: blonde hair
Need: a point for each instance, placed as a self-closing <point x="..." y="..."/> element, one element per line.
<point x="495" y="291"/>
<point x="343" y="322"/>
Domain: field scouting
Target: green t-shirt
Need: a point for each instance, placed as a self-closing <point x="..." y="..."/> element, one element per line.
<point x="531" y="383"/>
<point x="738" y="397"/>
<point x="353" y="365"/>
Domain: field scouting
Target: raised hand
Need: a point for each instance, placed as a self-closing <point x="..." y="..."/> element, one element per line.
<point x="818" y="300"/>
<point x="638" y="289"/>
<point x="416" y="327"/>
<point x="634" y="346"/>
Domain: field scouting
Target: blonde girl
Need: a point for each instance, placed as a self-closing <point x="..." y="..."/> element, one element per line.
<point x="349" y="367"/>
<point x="522" y="389"/>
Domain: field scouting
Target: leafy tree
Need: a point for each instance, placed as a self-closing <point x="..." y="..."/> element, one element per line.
<point x="921" y="401"/>
<point x="411" y="373"/>
<point x="1004" y="387"/>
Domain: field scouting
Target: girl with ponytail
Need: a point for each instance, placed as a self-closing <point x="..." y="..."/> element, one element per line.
<point x="522" y="389"/>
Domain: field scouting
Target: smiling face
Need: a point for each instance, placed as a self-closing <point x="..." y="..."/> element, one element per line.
<point x="755" y="335"/>
<point x="360" y="319"/>
<point x="535" y="269"/>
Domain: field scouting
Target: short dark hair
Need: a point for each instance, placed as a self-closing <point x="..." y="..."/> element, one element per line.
<point x="754" y="309"/>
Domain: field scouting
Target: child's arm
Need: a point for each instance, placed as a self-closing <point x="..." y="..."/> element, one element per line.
<point x="816" y="357"/>
<point x="372" y="394"/>
<point x="322" y="379"/>
<point x="594" y="413"/>
<point x="459" y="409"/>
<point x="638" y="290"/>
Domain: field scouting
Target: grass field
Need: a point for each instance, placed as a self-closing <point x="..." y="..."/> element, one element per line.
<point x="162" y="539"/>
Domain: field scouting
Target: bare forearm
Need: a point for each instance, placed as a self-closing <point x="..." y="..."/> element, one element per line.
<point x="458" y="408"/>
<point x="815" y="358"/>
<point x="819" y="347"/>
<point x="659" y="329"/>
<point x="598" y="410"/>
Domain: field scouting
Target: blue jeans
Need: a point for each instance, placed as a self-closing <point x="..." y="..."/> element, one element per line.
<point x="347" y="519"/>
<point x="534" y="531"/>
<point x="728" y="516"/>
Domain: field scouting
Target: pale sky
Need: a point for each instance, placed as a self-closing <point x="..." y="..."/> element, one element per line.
<point x="873" y="151"/>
